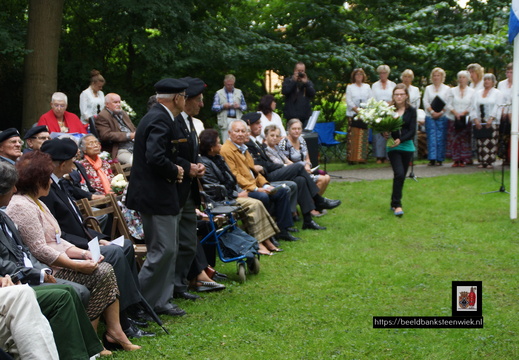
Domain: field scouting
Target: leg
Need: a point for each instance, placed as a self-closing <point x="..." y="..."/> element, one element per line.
<point x="441" y="137"/>
<point x="124" y="156"/>
<point x="158" y="272"/>
<point x="398" y="160"/>
<point x="187" y="243"/>
<point x="322" y="183"/>
<point x="24" y="331"/>
<point x="114" y="332"/>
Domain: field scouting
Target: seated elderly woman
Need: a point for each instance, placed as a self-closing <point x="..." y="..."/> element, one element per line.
<point x="258" y="223"/>
<point x="58" y="119"/>
<point x="295" y="149"/>
<point x="98" y="170"/>
<point x="41" y="233"/>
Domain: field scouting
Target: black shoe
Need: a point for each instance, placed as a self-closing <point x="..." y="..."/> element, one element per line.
<point x="218" y="276"/>
<point x="185" y="295"/>
<point x="134" y="332"/>
<point x="296" y="218"/>
<point x="287" y="237"/>
<point x="274" y="241"/>
<point x="176" y="311"/>
<point x="138" y="322"/>
<point x="327" y="204"/>
<point x="312" y="225"/>
<point x="293" y="229"/>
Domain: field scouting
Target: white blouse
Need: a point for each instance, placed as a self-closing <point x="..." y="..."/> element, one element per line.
<point x="414" y="96"/>
<point x="88" y="103"/>
<point x="276" y="120"/>
<point x="460" y="103"/>
<point x="355" y="95"/>
<point x="383" y="94"/>
<point x="506" y="90"/>
<point x="491" y="105"/>
<point x="478" y="87"/>
<point x="430" y="93"/>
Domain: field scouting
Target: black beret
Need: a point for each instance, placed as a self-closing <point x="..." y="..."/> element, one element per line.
<point x="196" y="86"/>
<point x="170" y="86"/>
<point x="7" y="134"/>
<point x="60" y="149"/>
<point x="251" y="118"/>
<point x="34" y="131"/>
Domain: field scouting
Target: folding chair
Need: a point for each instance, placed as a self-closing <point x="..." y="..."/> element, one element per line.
<point x="125" y="169"/>
<point x="327" y="142"/>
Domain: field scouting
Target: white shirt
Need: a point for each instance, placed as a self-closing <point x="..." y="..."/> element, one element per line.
<point x="383" y="94"/>
<point x="414" y="96"/>
<point x="506" y="90"/>
<point x="478" y="87"/>
<point x="458" y="103"/>
<point x="491" y="104"/>
<point x="276" y="120"/>
<point x="88" y="103"/>
<point x="199" y="125"/>
<point x="431" y="92"/>
<point x="355" y="95"/>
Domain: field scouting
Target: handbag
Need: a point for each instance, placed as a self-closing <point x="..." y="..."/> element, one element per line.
<point x="437" y="104"/>
<point x="483" y="133"/>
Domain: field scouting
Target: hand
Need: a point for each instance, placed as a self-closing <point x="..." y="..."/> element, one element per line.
<point x="103" y="242"/>
<point x="396" y="143"/>
<point x="236" y="105"/>
<point x="200" y="170"/>
<point x="489" y="124"/>
<point x="132" y="136"/>
<point x="86" y="267"/>
<point x="308" y="168"/>
<point x="243" y="194"/>
<point x="258" y="168"/>
<point x="180" y="174"/>
<point x="6" y="281"/>
<point x="227" y="106"/>
<point x="193" y="170"/>
<point x="49" y="279"/>
<point x="265" y="190"/>
<point x="478" y="125"/>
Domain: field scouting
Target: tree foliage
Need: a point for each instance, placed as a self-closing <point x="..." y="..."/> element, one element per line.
<point x="135" y="43"/>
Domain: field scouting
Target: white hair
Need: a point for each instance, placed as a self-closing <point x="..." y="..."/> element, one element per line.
<point x="59" y="96"/>
<point x="229" y="128"/>
<point x="165" y="96"/>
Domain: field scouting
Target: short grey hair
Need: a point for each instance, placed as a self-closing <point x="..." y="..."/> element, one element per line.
<point x="491" y="77"/>
<point x="82" y="141"/>
<point x="229" y="128"/>
<point x="8" y="177"/>
<point x="59" y="96"/>
<point x="464" y="73"/>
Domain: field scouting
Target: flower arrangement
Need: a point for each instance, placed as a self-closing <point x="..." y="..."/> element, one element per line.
<point x="128" y="109"/>
<point x="105" y="155"/>
<point x="380" y="117"/>
<point x="118" y="184"/>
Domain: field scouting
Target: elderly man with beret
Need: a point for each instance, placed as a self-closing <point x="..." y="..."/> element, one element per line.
<point x="10" y="145"/>
<point x="35" y="137"/>
<point x="153" y="191"/>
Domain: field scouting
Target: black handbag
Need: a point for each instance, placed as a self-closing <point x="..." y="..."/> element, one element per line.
<point x="483" y="133"/>
<point x="461" y="123"/>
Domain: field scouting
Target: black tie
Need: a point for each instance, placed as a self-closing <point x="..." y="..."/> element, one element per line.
<point x="16" y="247"/>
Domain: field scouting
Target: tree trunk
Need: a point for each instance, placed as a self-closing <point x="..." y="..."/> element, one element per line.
<point x="41" y="64"/>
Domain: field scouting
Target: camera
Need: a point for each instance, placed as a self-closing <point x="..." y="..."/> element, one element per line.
<point x="301" y="74"/>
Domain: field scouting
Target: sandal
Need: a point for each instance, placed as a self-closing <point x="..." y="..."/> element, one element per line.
<point x="490" y="166"/>
<point x="267" y="253"/>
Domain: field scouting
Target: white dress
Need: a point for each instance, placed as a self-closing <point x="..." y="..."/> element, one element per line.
<point x="506" y="90"/>
<point x="89" y="104"/>
<point x="355" y="95"/>
<point x="276" y="120"/>
<point x="414" y="96"/>
<point x="383" y="94"/>
<point x="491" y="105"/>
<point x="458" y="103"/>
<point x="430" y="93"/>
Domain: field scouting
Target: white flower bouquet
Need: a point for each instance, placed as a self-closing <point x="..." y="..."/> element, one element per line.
<point x="118" y="184"/>
<point x="380" y="117"/>
<point x="105" y="155"/>
<point x="128" y="109"/>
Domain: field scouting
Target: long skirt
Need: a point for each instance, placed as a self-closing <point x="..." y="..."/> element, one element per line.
<point x="487" y="148"/>
<point x="436" y="137"/>
<point x="258" y="222"/>
<point x="357" y="144"/>
<point x="460" y="142"/>
<point x="101" y="283"/>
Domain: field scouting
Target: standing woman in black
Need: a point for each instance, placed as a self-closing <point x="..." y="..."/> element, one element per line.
<point x="401" y="152"/>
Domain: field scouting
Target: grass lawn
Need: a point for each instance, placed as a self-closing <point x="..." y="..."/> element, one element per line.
<point x="316" y="300"/>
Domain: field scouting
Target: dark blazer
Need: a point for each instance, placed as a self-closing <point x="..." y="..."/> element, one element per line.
<point x="9" y="264"/>
<point x="153" y="185"/>
<point x="187" y="150"/>
<point x="408" y="130"/>
<point x="213" y="175"/>
<point x="72" y="228"/>
<point x="109" y="131"/>
<point x="261" y="158"/>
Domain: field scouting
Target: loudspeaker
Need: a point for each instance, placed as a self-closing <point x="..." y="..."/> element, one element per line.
<point x="312" y="142"/>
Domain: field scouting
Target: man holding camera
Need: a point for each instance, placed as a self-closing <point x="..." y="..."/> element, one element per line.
<point x="298" y="91"/>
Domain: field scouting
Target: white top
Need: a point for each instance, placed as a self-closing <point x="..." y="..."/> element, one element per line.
<point x="199" y="125"/>
<point x="506" y="90"/>
<point x="355" y="95"/>
<point x="276" y="120"/>
<point x="478" y="87"/>
<point x="414" y="96"/>
<point x="460" y="103"/>
<point x="88" y="103"/>
<point x="431" y="92"/>
<point x="383" y="94"/>
<point x="491" y="105"/>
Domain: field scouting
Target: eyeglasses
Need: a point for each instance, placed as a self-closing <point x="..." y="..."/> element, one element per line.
<point x="184" y="95"/>
<point x="399" y="94"/>
<point x="92" y="143"/>
<point x="59" y="106"/>
<point x="41" y="137"/>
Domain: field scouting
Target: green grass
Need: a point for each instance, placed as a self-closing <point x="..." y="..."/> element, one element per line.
<point x="316" y="300"/>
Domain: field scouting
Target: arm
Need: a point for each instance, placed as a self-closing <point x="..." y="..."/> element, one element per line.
<point x="289" y="86"/>
<point x="243" y="104"/>
<point x="245" y="181"/>
<point x="310" y="91"/>
<point x="84" y="102"/>
<point x="409" y="129"/>
<point x="158" y="143"/>
<point x="349" y="98"/>
<point x="217" y="107"/>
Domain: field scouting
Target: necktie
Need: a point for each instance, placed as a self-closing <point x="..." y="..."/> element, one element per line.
<point x="16" y="247"/>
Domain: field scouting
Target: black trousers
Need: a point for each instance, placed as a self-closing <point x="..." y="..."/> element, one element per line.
<point x="400" y="164"/>
<point x="306" y="187"/>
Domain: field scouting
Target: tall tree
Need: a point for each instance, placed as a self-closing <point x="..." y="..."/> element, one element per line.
<point x="41" y="63"/>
